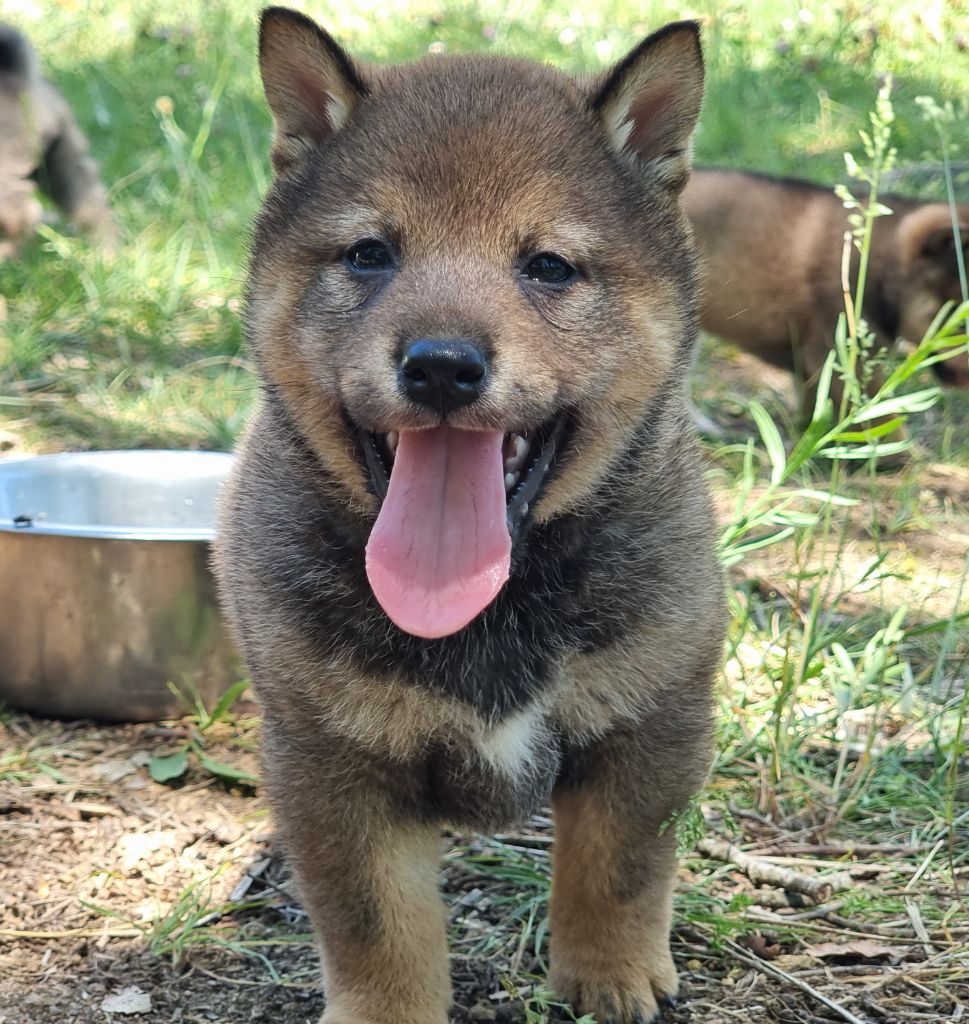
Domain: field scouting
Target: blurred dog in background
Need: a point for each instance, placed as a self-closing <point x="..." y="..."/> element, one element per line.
<point x="771" y="257"/>
<point x="42" y="147"/>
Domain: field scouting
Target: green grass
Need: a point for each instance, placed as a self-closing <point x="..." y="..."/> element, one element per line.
<point x="844" y="699"/>
<point x="145" y="348"/>
<point x="24" y="765"/>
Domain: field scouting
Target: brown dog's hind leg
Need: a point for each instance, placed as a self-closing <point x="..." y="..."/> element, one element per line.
<point x="367" y="874"/>
<point x="614" y="868"/>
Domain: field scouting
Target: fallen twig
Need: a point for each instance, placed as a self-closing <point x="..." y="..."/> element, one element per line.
<point x="771" y="970"/>
<point x="820" y="911"/>
<point x="773" y="899"/>
<point x="858" y="869"/>
<point x="818" y="887"/>
<point x="778" y="846"/>
<point x="517" y="839"/>
<point x="918" y="926"/>
<point x="72" y="933"/>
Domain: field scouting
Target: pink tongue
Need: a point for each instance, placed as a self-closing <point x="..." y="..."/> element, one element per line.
<point x="440" y="549"/>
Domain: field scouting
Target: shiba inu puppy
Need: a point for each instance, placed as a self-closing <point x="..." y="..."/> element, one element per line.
<point x="467" y="543"/>
<point x="771" y="252"/>
<point x="42" y="146"/>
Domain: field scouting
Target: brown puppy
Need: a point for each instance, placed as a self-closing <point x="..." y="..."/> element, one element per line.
<point x="467" y="543"/>
<point x="42" y="146"/>
<point x="771" y="252"/>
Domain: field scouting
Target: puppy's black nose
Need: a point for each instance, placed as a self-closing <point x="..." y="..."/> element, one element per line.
<point x="443" y="374"/>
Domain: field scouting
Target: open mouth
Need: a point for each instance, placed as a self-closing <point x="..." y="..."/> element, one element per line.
<point x="452" y="505"/>
<point x="527" y="458"/>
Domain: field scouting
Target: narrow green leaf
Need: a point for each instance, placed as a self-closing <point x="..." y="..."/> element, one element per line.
<point x="816" y="435"/>
<point x="225" y="771"/>
<point x="772" y="441"/>
<point x="52" y="772"/>
<point x="106" y="912"/>
<point x="231" y="695"/>
<point x="792" y="517"/>
<point x="939" y="626"/>
<point x="762" y="542"/>
<point x="844" y="661"/>
<point x="828" y="499"/>
<point x="867" y="451"/>
<point x="948" y="324"/>
<point x="917" y="401"/>
<point x="821" y="404"/>
<point x="866" y="436"/>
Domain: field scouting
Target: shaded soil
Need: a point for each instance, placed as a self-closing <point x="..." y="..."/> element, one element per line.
<point x="110" y="881"/>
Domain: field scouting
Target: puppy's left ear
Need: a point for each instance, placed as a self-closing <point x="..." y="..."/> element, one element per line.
<point x="650" y="101"/>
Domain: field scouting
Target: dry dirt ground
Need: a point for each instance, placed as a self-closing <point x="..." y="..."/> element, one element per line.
<point x="111" y="887"/>
<point x="123" y="899"/>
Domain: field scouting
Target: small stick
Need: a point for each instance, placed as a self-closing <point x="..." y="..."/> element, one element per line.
<point x="857" y="869"/>
<point x="771" y="970"/>
<point x="918" y="926"/>
<point x="846" y="284"/>
<point x="509" y="838"/>
<point x="817" y="887"/>
<point x="835" y="849"/>
<point x="831" y="924"/>
<point x="773" y="899"/>
<point x="923" y="867"/>
<point x="822" y="911"/>
<point x="71" y="933"/>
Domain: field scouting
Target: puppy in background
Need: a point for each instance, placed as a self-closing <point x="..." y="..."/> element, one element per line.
<point x="41" y="146"/>
<point x="771" y="256"/>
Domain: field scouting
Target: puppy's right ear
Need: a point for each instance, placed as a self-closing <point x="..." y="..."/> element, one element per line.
<point x="311" y="84"/>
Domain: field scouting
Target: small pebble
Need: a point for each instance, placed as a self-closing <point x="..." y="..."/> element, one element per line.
<point x="127" y="1000"/>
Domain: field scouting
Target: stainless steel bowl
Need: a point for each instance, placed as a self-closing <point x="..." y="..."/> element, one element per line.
<point x="106" y="594"/>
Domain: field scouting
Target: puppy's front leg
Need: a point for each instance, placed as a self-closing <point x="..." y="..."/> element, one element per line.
<point x="367" y="874"/>
<point x="614" y="868"/>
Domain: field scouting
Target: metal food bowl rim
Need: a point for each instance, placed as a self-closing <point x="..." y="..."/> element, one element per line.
<point x="120" y="533"/>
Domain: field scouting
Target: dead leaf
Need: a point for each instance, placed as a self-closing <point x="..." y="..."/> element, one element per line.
<point x="761" y="946"/>
<point x="858" y="949"/>
<point x="791" y="962"/>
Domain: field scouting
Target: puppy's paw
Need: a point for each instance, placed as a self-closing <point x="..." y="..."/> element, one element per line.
<point x="619" y="993"/>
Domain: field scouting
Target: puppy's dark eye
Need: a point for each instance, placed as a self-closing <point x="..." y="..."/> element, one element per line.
<point x="547" y="268"/>
<point x="367" y="255"/>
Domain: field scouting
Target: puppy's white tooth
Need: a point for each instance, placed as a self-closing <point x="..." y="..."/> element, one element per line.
<point x="392" y="438"/>
<point x="525" y="509"/>
<point x="510" y="480"/>
<point x="519" y="450"/>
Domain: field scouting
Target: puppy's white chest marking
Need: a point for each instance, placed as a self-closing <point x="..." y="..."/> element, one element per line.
<point x="510" y="745"/>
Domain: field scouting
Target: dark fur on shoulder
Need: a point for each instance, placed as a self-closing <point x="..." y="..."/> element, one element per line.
<point x="771" y="251"/>
<point x="42" y="146"/>
<point x="501" y="208"/>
